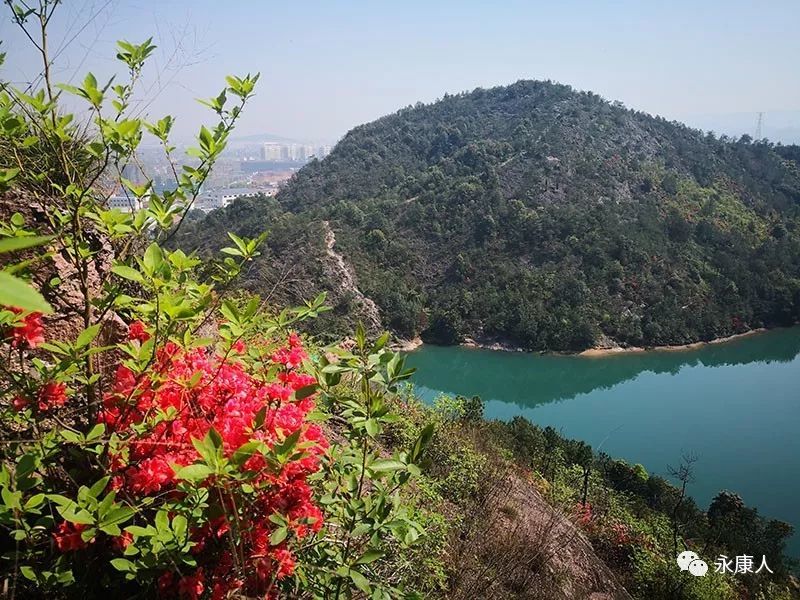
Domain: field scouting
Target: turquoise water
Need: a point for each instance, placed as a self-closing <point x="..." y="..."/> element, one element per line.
<point x="735" y="406"/>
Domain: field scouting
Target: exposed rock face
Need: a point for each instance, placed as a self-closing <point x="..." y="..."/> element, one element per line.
<point x="57" y="278"/>
<point x="570" y="552"/>
<point x="535" y="552"/>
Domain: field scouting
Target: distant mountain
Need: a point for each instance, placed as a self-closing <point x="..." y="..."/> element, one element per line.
<point x="261" y="138"/>
<point x="781" y="126"/>
<point x="264" y="137"/>
<point x="538" y="216"/>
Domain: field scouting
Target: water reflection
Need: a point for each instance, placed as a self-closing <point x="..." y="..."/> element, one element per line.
<point x="734" y="405"/>
<point x="529" y="380"/>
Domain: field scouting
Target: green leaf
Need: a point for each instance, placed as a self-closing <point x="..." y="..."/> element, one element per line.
<point x="277" y="519"/>
<point x="422" y="442"/>
<point x="98" y="486"/>
<point x="213" y="438"/>
<point x="15" y="292"/>
<point x="245" y="451"/>
<point x="306" y="391"/>
<point x="179" y="526"/>
<point x="360" y="581"/>
<point x="118" y="515"/>
<point x="381" y="341"/>
<point x="87" y="336"/>
<point x="153" y="257"/>
<point x="11" y="499"/>
<point x="369" y="556"/>
<point x="81" y="517"/>
<point x="285" y="448"/>
<point x="193" y="472"/>
<point x="123" y="564"/>
<point x="96" y="432"/>
<point x="162" y="520"/>
<point x="34" y="501"/>
<point x="372" y="427"/>
<point x="20" y="243"/>
<point x="278" y="536"/>
<point x="387" y="465"/>
<point x="127" y="272"/>
<point x="26" y="465"/>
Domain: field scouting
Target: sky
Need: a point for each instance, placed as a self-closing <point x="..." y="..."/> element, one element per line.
<point x="329" y="66"/>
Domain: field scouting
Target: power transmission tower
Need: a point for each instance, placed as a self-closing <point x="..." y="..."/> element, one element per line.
<point x="758" y="125"/>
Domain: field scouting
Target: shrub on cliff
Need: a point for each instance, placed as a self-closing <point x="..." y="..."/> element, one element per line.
<point x="173" y="444"/>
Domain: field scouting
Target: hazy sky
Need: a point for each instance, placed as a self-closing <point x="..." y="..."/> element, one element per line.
<point x="327" y="66"/>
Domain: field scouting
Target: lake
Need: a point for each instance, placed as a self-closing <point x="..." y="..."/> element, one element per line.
<point x="734" y="405"/>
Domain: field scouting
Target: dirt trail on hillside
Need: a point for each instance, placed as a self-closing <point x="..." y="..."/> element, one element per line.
<point x="347" y="281"/>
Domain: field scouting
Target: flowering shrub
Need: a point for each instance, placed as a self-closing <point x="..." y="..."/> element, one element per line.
<point x="171" y="444"/>
<point x="244" y="445"/>
<point x="584" y="516"/>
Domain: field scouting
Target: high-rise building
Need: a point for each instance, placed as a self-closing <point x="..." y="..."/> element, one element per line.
<point x="271" y="152"/>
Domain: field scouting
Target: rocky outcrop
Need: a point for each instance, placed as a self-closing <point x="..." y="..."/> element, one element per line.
<point x="56" y="276"/>
<point x="517" y="545"/>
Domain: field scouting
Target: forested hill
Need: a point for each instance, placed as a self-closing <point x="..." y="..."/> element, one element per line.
<point x="539" y="216"/>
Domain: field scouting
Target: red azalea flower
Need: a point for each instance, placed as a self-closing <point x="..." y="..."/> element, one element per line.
<point x="68" y="536"/>
<point x="229" y="399"/>
<point x="285" y="561"/>
<point x="136" y="331"/>
<point x="52" y="394"/>
<point x="28" y="334"/>
<point x="192" y="586"/>
<point x="123" y="541"/>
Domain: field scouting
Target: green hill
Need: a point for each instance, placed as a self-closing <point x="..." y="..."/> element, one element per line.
<point x="539" y="216"/>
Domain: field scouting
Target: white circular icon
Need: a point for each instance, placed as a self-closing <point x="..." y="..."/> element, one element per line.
<point x="698" y="568"/>
<point x="685" y="558"/>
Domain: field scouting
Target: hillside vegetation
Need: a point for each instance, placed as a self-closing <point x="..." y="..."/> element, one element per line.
<point x="538" y="216"/>
<point x="165" y="434"/>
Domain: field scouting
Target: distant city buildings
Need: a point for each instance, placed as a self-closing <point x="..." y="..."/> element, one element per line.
<point x="215" y="199"/>
<point x="277" y="152"/>
<point x="124" y="203"/>
<point x="272" y="152"/>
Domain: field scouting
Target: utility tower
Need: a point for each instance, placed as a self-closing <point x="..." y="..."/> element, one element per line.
<point x="758" y="125"/>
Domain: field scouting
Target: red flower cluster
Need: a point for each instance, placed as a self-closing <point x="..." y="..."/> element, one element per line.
<point x="67" y="536"/>
<point x="622" y="535"/>
<point x="27" y="334"/>
<point x="52" y="395"/>
<point x="584" y="515"/>
<point x="137" y="331"/>
<point x="205" y="391"/>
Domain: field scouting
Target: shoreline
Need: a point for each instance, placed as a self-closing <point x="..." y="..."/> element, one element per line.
<point x="403" y="345"/>
<point x="597" y="352"/>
